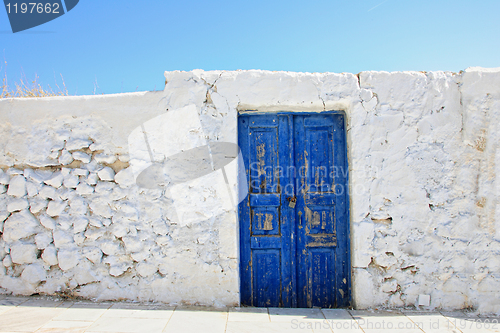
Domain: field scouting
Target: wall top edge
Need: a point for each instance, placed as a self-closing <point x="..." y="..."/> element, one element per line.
<point x="199" y="71"/>
<point x="483" y="69"/>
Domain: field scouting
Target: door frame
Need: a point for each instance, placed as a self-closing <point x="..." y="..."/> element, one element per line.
<point x="346" y="195"/>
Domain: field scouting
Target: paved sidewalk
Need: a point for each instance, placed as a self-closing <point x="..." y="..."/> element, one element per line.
<point x="45" y="314"/>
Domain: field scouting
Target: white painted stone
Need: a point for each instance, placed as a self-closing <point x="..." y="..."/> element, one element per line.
<point x="365" y="95"/>
<point x="3" y="249"/>
<point x="118" y="270"/>
<point x="3" y="189"/>
<point x="43" y="240"/>
<point x="47" y="221"/>
<point x="92" y="167"/>
<point x="126" y="209"/>
<point x="54" y="155"/>
<point x="66" y="194"/>
<point x="75" y="144"/>
<point x="111" y="248"/>
<point x="65" y="158"/>
<point x="125" y="178"/>
<point x="78" y="206"/>
<point x="132" y="244"/>
<point x="160" y="227"/>
<point x="370" y="105"/>
<point x="49" y="256"/>
<point x="23" y="253"/>
<point x="93" y="254"/>
<point x="71" y="181"/>
<point x="146" y="269"/>
<point x="94" y="234"/>
<point x="7" y="261"/>
<point x="81" y="156"/>
<point x="3" y="216"/>
<point x="79" y="238"/>
<point x="166" y="240"/>
<point x="64" y="222"/>
<point x="103" y="158"/>
<point x="17" y="186"/>
<point x="16" y="205"/>
<point x="100" y="208"/>
<point x="68" y="259"/>
<point x="34" y="274"/>
<point x="118" y="194"/>
<point x="62" y="238"/>
<point x="60" y="143"/>
<point x="85" y="273"/>
<point x="84" y="189"/>
<point x="96" y="146"/>
<point x="140" y="256"/>
<point x="104" y="187"/>
<point x="39" y="176"/>
<point x="385" y="260"/>
<point x="55" y="180"/>
<point x="65" y="172"/>
<point x="92" y="179"/>
<point x="119" y="230"/>
<point x="95" y="221"/>
<point x="19" y="225"/>
<point x="55" y="208"/>
<point x="14" y="172"/>
<point x="32" y="176"/>
<point x="31" y="189"/>
<point x="125" y="158"/>
<point x="48" y="192"/>
<point x="80" y="224"/>
<point x="389" y="286"/>
<point x="4" y="178"/>
<point x="80" y="172"/>
<point x="106" y="174"/>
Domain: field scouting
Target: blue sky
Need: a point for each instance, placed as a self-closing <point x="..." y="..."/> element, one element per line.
<point x="112" y="46"/>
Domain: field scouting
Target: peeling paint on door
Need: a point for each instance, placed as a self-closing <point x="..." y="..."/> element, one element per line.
<point x="294" y="228"/>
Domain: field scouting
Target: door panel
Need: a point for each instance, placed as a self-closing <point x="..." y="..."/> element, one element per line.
<point x="316" y="209"/>
<point x="265" y="258"/>
<point x="266" y="273"/>
<point x="291" y="256"/>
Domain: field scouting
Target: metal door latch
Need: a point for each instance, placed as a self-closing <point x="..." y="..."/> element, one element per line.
<point x="292" y="201"/>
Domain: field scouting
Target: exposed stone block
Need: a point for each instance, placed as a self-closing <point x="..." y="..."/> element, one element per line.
<point x="106" y="174"/>
<point x="17" y="186"/>
<point x="55" y="180"/>
<point x="23" y="253"/>
<point x="20" y="225"/>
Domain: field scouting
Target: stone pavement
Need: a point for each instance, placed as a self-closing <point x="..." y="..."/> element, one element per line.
<point x="46" y="314"/>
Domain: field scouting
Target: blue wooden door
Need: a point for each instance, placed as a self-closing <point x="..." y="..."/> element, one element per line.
<point x="294" y="232"/>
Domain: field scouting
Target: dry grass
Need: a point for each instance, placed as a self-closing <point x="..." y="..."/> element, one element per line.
<point x="28" y="89"/>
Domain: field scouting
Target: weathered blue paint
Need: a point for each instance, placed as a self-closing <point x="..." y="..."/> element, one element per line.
<point x="294" y="256"/>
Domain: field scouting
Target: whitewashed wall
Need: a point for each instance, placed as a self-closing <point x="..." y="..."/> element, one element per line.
<point x="425" y="215"/>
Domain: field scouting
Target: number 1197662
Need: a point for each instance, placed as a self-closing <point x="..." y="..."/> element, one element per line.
<point x="33" y="7"/>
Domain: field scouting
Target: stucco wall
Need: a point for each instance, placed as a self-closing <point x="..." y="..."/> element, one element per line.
<point x="423" y="190"/>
